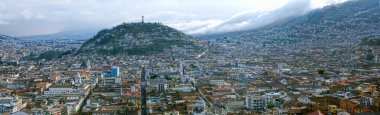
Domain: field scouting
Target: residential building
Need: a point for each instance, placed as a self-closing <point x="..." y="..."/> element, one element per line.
<point x="305" y="100"/>
<point x="217" y="82"/>
<point x="255" y="102"/>
<point x="10" y="104"/>
<point x="366" y="101"/>
<point x="162" y="87"/>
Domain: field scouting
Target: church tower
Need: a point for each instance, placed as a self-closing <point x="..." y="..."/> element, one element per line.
<point x="78" y="79"/>
<point x="88" y="64"/>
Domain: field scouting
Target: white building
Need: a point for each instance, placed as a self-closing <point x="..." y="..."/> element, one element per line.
<point x="255" y="102"/>
<point x="271" y="97"/>
<point x="67" y="89"/>
<point x="217" y="82"/>
<point x="259" y="101"/>
<point x="10" y="104"/>
<point x="78" y="79"/>
<point x="59" y="89"/>
<point x="305" y="100"/>
<point x="111" y="81"/>
<point x="201" y="104"/>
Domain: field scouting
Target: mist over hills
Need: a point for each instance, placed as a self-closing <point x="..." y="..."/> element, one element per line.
<point x="350" y="20"/>
<point x="5" y="37"/>
<point x="83" y="34"/>
<point x="354" y="14"/>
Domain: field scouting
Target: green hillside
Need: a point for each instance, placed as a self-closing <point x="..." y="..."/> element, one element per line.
<point x="135" y="39"/>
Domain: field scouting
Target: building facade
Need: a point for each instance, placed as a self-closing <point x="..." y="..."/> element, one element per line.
<point x="255" y="103"/>
<point x="217" y="82"/>
<point x="10" y="104"/>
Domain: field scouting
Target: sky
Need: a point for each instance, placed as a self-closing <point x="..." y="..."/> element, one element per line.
<point x="36" y="17"/>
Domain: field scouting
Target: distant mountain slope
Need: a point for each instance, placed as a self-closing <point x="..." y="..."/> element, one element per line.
<point x="347" y="21"/>
<point x="371" y="41"/>
<point x="135" y="39"/>
<point x="4" y="37"/>
<point x="70" y="35"/>
<point x="362" y="16"/>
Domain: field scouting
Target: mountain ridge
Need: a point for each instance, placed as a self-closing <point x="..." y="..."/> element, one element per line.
<point x="70" y="35"/>
<point x="5" y="37"/>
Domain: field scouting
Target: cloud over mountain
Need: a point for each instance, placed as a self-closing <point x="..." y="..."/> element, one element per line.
<point x="32" y="17"/>
<point x="253" y="19"/>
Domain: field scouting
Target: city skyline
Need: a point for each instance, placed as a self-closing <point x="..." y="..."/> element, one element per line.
<point x="190" y="57"/>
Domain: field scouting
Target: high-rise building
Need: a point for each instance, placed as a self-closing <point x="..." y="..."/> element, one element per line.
<point x="255" y="102"/>
<point x="115" y="71"/>
<point x="162" y="87"/>
<point x="181" y="69"/>
<point x="260" y="101"/>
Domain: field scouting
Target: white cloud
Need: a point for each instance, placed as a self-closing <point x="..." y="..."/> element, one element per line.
<point x="322" y="3"/>
<point x="40" y="16"/>
<point x="193" y="25"/>
<point x="254" y="18"/>
<point x="26" y="14"/>
<point x="3" y="22"/>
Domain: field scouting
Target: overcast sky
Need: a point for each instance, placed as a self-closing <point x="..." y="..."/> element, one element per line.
<point x="34" y="17"/>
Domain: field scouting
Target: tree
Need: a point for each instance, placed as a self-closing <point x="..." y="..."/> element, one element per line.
<point x="270" y="106"/>
<point x="193" y="66"/>
<point x="155" y="76"/>
<point x="369" y="57"/>
<point x="131" y="104"/>
<point x="321" y="71"/>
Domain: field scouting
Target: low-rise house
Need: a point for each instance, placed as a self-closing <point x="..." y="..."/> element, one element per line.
<point x="10" y="104"/>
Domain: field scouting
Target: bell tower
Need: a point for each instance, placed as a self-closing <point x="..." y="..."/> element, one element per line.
<point x="78" y="79"/>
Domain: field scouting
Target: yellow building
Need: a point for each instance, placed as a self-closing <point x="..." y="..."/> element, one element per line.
<point x="332" y="110"/>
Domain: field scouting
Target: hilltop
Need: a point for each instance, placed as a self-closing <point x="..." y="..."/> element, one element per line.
<point x="135" y="39"/>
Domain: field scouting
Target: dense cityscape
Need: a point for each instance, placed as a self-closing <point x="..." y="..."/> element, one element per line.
<point x="302" y="67"/>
